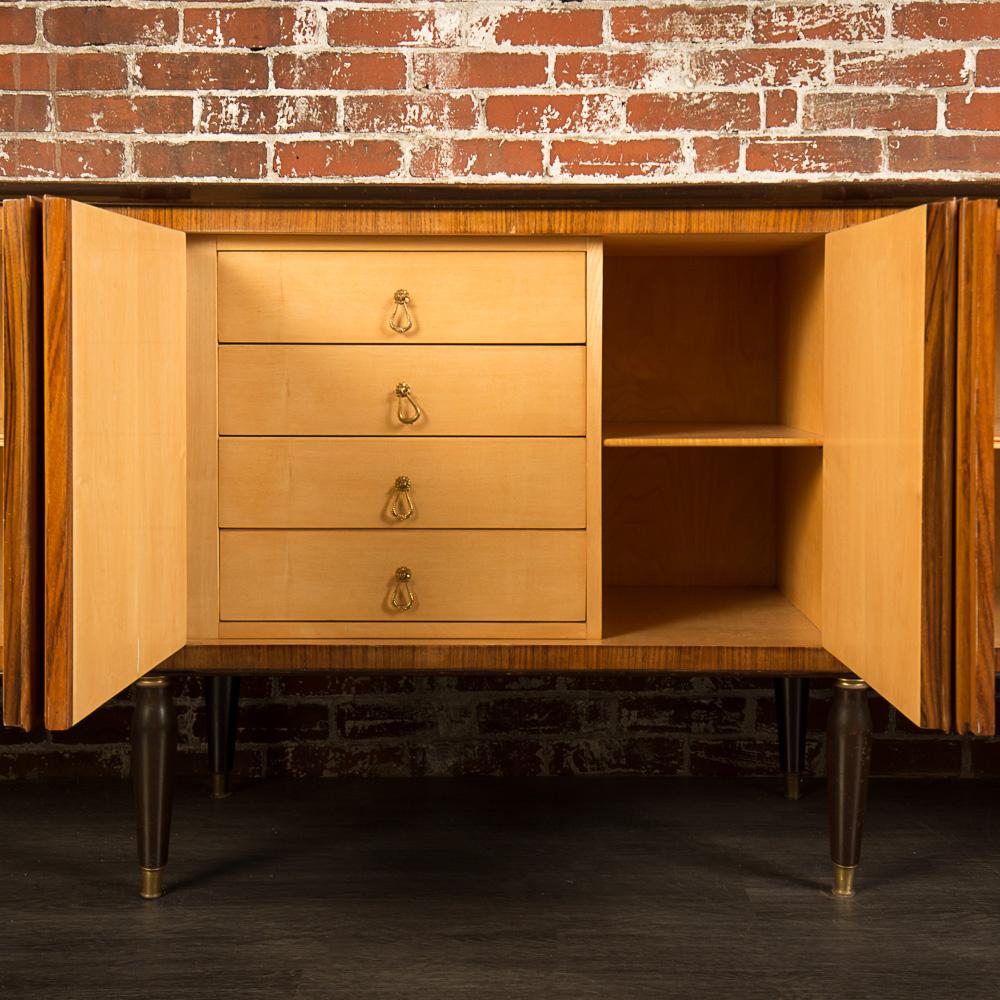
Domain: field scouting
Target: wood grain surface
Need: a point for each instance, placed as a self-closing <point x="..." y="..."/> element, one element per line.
<point x="975" y="508"/>
<point x="21" y="295"/>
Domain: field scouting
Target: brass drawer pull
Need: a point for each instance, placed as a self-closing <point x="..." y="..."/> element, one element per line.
<point x="398" y="510"/>
<point x="414" y="413"/>
<point x="402" y="596"/>
<point x="402" y="305"/>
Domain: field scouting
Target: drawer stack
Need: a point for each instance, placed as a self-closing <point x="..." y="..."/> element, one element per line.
<point x="402" y="436"/>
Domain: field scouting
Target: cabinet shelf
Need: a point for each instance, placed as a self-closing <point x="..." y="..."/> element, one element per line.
<point x="646" y="434"/>
<point x="705" y="616"/>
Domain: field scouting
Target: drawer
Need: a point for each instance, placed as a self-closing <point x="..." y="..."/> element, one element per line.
<point x="453" y="482"/>
<point x="350" y="390"/>
<point x="455" y="297"/>
<point x="351" y="575"/>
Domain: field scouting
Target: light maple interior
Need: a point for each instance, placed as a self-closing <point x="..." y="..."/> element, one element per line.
<point x="713" y="429"/>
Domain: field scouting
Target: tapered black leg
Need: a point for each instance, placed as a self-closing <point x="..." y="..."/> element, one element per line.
<point x="154" y="747"/>
<point x="848" y="757"/>
<point x="791" y="695"/>
<point x="222" y="700"/>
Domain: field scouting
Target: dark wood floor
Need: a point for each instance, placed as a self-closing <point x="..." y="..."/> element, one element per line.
<point x="548" y="889"/>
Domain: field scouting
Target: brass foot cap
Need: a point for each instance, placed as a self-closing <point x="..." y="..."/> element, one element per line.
<point x="793" y="786"/>
<point x="152" y="883"/>
<point x="220" y="786"/>
<point x="843" y="880"/>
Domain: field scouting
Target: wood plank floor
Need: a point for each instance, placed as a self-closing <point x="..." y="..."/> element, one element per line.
<point x="551" y="889"/>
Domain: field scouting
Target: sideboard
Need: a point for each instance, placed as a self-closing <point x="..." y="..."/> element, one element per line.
<point x="498" y="438"/>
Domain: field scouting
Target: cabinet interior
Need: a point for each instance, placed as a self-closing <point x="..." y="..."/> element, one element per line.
<point x="996" y="464"/>
<point x="713" y="431"/>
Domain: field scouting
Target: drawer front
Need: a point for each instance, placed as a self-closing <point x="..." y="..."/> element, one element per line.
<point x="452" y="483"/>
<point x="455" y="297"/>
<point x="350" y="390"/>
<point x="351" y="575"/>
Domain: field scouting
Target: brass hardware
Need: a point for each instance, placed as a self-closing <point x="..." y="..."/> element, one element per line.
<point x="402" y="302"/>
<point x="152" y="883"/>
<point x="793" y="786"/>
<point x="403" y="393"/>
<point x="402" y="486"/>
<point x="843" y="880"/>
<point x="850" y="682"/>
<point x="220" y="786"/>
<point x="153" y="681"/>
<point x="402" y="595"/>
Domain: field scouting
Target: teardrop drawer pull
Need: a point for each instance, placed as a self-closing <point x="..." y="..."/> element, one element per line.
<point x="401" y="311"/>
<point x="402" y="508"/>
<point x="411" y="415"/>
<point x="402" y="596"/>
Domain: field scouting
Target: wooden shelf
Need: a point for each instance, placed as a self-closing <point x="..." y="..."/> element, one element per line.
<point x="707" y="435"/>
<point x="705" y="616"/>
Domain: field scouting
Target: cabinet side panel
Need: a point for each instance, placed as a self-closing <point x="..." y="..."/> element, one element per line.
<point x="974" y="468"/>
<point x="21" y="295"/>
<point x="595" y="446"/>
<point x="873" y="482"/>
<point x="203" y="440"/>
<point x="129" y="441"/>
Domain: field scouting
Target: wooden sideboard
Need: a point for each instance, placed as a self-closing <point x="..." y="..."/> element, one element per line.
<point x="499" y="439"/>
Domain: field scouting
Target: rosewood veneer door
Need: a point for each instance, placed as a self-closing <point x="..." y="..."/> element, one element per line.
<point x="888" y="455"/>
<point x="21" y="295"/>
<point x="975" y="511"/>
<point x="114" y="454"/>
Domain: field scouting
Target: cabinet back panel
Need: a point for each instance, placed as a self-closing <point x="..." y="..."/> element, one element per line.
<point x="800" y="529"/>
<point x="690" y="517"/>
<point x="690" y="339"/>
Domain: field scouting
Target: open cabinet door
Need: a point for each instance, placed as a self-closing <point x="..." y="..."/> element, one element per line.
<point x="888" y="457"/>
<point x="115" y="454"/>
<point x="975" y="669"/>
<point x="21" y="295"/>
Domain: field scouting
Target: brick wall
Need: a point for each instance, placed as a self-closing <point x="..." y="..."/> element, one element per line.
<point x="403" y="725"/>
<point x="423" y="90"/>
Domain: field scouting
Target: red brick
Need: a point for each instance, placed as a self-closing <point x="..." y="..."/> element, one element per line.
<point x="633" y="70"/>
<point x="448" y="158"/>
<point x="679" y="23"/>
<point x="202" y="71"/>
<point x="69" y="24"/>
<point x="17" y="25"/>
<point x="716" y="155"/>
<point x="24" y="112"/>
<point x="385" y="28"/>
<point x="85" y="113"/>
<point x="715" y="111"/>
<point x="780" y="108"/>
<point x="828" y="155"/>
<point x="249" y="115"/>
<point x="398" y="113"/>
<point x="66" y="158"/>
<point x="69" y="71"/>
<point x="617" y="158"/>
<point x="668" y="713"/>
<point x="988" y="68"/>
<point x="337" y="158"/>
<point x="485" y="70"/>
<point x="249" y="28"/>
<point x="546" y="27"/>
<point x="973" y="112"/>
<point x="951" y="21"/>
<point x="555" y="113"/>
<point x="877" y="68"/>
<point x="977" y="154"/>
<point x="773" y="23"/>
<point x="775" y="67"/>
<point x="244" y="160"/>
<point x="870" y="111"/>
<point x="341" y="71"/>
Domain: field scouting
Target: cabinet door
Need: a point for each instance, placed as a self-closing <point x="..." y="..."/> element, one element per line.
<point x="21" y="294"/>
<point x="114" y="454"/>
<point x="888" y="505"/>
<point x="975" y="419"/>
